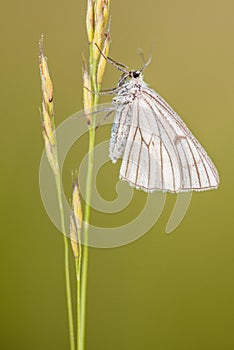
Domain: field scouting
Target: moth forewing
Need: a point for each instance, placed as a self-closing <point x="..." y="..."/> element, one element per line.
<point x="159" y="152"/>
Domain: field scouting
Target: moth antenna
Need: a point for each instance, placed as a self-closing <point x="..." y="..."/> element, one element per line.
<point x="145" y="63"/>
<point x="116" y="64"/>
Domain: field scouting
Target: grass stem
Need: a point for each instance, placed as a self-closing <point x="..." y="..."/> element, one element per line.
<point x="66" y="241"/>
<point x="85" y="249"/>
<point x="79" y="343"/>
<point x="98" y="32"/>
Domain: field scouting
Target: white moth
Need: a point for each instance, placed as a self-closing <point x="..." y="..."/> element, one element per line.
<point x="158" y="151"/>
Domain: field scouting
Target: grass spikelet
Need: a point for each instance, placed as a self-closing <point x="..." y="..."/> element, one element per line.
<point x="74" y="235"/>
<point x="90" y="20"/>
<point x="87" y="87"/>
<point x="102" y="61"/>
<point x="47" y="113"/>
<point x="76" y="220"/>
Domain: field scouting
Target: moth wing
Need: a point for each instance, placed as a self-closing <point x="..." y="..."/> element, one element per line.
<point x="120" y="132"/>
<point x="160" y="152"/>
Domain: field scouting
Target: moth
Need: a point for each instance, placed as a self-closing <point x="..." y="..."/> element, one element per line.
<point x="158" y="151"/>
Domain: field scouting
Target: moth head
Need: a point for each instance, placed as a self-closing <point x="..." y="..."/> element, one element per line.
<point x="134" y="73"/>
<point x="129" y="75"/>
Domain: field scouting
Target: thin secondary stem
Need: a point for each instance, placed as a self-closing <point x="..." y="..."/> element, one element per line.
<point x="66" y="265"/>
<point x="49" y="135"/>
<point x="79" y="344"/>
<point x="85" y="249"/>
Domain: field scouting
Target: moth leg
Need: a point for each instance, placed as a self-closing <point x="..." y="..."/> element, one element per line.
<point x="110" y="91"/>
<point x="104" y="118"/>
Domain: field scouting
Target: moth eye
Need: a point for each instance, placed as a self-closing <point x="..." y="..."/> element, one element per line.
<point x="136" y="74"/>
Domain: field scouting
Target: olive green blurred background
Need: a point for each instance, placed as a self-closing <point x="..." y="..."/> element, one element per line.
<point x="163" y="292"/>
